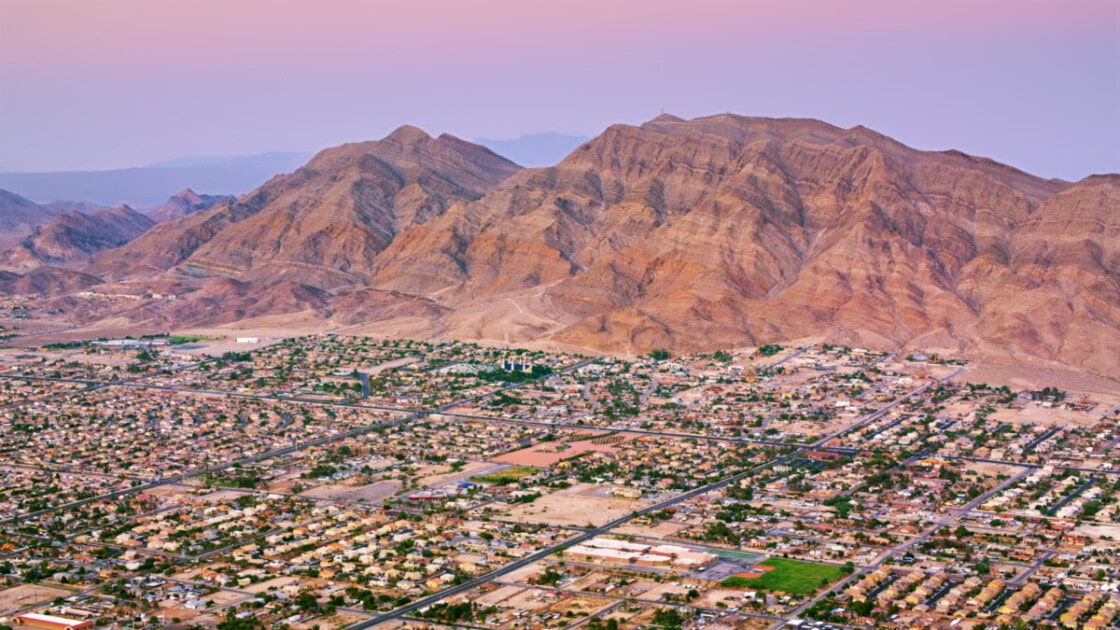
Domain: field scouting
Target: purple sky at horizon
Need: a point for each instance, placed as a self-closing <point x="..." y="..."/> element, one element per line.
<point x="95" y="84"/>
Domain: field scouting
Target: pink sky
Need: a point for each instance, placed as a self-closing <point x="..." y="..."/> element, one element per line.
<point x="109" y="83"/>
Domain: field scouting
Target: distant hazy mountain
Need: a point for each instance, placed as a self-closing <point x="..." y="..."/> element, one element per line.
<point x="72" y="237"/>
<point x="290" y="159"/>
<point x="185" y="202"/>
<point x="19" y="216"/>
<point x="151" y="185"/>
<point x="68" y="232"/>
<point x="538" y="149"/>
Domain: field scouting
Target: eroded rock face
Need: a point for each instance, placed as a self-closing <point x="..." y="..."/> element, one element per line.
<point x="727" y="230"/>
<point x="325" y="224"/>
<point x="690" y="235"/>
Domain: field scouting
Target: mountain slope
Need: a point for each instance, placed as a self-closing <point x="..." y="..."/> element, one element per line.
<point x="46" y="281"/>
<point x="142" y="187"/>
<point x="19" y="216"/>
<point x="324" y="224"/>
<point x="72" y="237"/>
<point x="690" y="235"/>
<point x="183" y="203"/>
<point x="728" y="230"/>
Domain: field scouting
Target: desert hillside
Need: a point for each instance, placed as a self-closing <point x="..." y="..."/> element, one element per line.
<point x="689" y="235"/>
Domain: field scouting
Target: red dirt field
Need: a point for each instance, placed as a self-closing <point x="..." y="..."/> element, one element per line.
<point x="755" y="572"/>
<point x="549" y="453"/>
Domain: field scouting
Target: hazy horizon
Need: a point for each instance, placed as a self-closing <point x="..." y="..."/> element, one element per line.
<point x="119" y="83"/>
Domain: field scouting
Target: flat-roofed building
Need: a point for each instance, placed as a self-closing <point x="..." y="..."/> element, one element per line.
<point x="36" y="620"/>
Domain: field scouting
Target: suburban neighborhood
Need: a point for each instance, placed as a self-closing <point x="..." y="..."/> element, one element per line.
<point x="340" y="482"/>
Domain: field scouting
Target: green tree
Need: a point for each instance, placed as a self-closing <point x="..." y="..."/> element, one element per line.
<point x="668" y="618"/>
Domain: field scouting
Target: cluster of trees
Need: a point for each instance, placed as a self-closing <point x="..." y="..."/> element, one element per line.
<point x="668" y="618"/>
<point x="599" y="624"/>
<point x="508" y="376"/>
<point x="1049" y="393"/>
<point x="455" y="613"/>
<point x="550" y="577"/>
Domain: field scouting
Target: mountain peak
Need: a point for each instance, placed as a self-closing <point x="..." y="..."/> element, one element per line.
<point x="1111" y="179"/>
<point x="182" y="203"/>
<point x="719" y="231"/>
<point x="341" y="210"/>
<point x="407" y="135"/>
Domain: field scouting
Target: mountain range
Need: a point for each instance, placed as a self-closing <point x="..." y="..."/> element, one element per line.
<point x="147" y="186"/>
<point x="688" y="235"/>
<point x="66" y="233"/>
<point x="19" y="216"/>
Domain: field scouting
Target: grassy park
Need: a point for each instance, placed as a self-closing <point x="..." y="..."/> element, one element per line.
<point x="509" y="475"/>
<point x="790" y="576"/>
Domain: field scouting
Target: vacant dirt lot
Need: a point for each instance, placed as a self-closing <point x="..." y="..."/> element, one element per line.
<point x="337" y="620"/>
<point x="588" y="580"/>
<point x="709" y="598"/>
<point x="573" y="506"/>
<point x="262" y="587"/>
<point x="224" y="598"/>
<point x="370" y="493"/>
<point x="1037" y="414"/>
<point x="528" y="598"/>
<point x="582" y="603"/>
<point x="499" y="595"/>
<point x="548" y="453"/>
<point x="17" y="597"/>
<point x="1100" y="531"/>
<point x="987" y="468"/>
<point x="441" y="474"/>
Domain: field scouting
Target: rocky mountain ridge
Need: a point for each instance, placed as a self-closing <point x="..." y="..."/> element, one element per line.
<point x="690" y="235"/>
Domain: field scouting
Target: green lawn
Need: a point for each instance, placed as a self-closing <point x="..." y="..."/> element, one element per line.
<point x="509" y="475"/>
<point x="790" y="576"/>
<point x="181" y="339"/>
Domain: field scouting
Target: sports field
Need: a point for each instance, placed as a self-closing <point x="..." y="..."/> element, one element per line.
<point x="790" y="576"/>
<point x="509" y="475"/>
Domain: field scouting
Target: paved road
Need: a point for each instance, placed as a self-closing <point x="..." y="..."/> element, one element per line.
<point x="407" y="416"/>
<point x="1002" y="462"/>
<point x="1111" y="445"/>
<point x="1034" y="566"/>
<point x="1040" y="439"/>
<point x="625" y="598"/>
<point x="1071" y="496"/>
<point x="671" y="434"/>
<point x="902" y="547"/>
<point x="178" y="478"/>
<point x="800" y="351"/>
<point x="607" y="527"/>
<point x="545" y="553"/>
